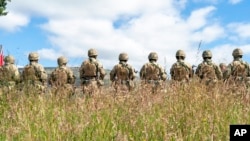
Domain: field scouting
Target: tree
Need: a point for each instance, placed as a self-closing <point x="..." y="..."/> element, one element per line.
<point x="3" y="4"/>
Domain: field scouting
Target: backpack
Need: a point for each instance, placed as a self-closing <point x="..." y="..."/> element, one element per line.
<point x="30" y="73"/>
<point x="6" y="74"/>
<point x="180" y="71"/>
<point x="59" y="77"/>
<point x="239" y="69"/>
<point x="90" y="68"/>
<point x="122" y="72"/>
<point x="207" y="71"/>
<point x="152" y="71"/>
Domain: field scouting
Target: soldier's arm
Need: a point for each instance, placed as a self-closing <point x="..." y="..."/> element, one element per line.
<point x="101" y="70"/>
<point x="228" y="71"/>
<point x="163" y="73"/>
<point x="218" y="72"/>
<point x="172" y="71"/>
<point x="112" y="74"/>
<point x="142" y="72"/>
<point x="190" y="70"/>
<point x="197" y="71"/>
<point x="131" y="72"/>
<point x="71" y="76"/>
<point x="16" y="74"/>
<point x="43" y="73"/>
<point x="248" y="70"/>
<point x="81" y="71"/>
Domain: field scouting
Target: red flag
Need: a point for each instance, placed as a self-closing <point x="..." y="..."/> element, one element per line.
<point x="1" y="56"/>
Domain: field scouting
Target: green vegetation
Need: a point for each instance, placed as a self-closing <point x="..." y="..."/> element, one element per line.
<point x="178" y="113"/>
<point x="3" y="4"/>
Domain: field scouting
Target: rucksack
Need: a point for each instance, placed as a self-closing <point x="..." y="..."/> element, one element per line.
<point x="122" y="72"/>
<point x="30" y="73"/>
<point x="59" y="77"/>
<point x="208" y="71"/>
<point x="239" y="69"/>
<point x="152" y="71"/>
<point x="6" y="74"/>
<point x="180" y="71"/>
<point x="90" y="68"/>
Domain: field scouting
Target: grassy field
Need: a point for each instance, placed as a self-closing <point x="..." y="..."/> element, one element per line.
<point x="180" y="113"/>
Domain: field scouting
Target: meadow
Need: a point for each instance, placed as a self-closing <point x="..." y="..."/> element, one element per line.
<point x="177" y="113"/>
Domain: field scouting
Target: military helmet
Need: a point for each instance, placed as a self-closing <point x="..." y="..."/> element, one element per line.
<point x="92" y="52"/>
<point x="153" y="56"/>
<point x="180" y="53"/>
<point x="207" y="53"/>
<point x="237" y="52"/>
<point x="62" y="60"/>
<point x="33" y="56"/>
<point x="123" y="57"/>
<point x="9" y="59"/>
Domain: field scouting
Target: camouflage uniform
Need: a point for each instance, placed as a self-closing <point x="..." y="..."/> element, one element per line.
<point x="181" y="70"/>
<point x="238" y="71"/>
<point x="34" y="73"/>
<point x="152" y="74"/>
<point x="91" y="73"/>
<point x="122" y="75"/>
<point x="9" y="74"/>
<point x="62" y="78"/>
<point x="208" y="76"/>
<point x="223" y="68"/>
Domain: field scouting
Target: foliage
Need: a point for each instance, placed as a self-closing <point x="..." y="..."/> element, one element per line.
<point x="3" y="4"/>
<point x="180" y="112"/>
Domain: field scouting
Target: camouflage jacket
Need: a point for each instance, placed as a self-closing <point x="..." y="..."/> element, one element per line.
<point x="231" y="69"/>
<point x="100" y="71"/>
<point x="216" y="68"/>
<point x="9" y="72"/>
<point x="41" y="73"/>
<point x="158" y="74"/>
<point x="122" y="71"/>
<point x="70" y="76"/>
<point x="186" y="65"/>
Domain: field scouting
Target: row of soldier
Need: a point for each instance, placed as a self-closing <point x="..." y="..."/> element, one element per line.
<point x="122" y="75"/>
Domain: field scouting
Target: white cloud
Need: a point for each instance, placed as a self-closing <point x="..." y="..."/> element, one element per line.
<point x="73" y="27"/>
<point x="234" y="1"/>
<point x="209" y="34"/>
<point x="198" y="18"/>
<point x="13" y="21"/>
<point x="240" y="29"/>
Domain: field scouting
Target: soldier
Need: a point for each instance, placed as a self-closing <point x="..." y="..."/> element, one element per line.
<point x="9" y="74"/>
<point x="91" y="73"/>
<point x="207" y="71"/>
<point x="122" y="75"/>
<point x="223" y="68"/>
<point x="238" y="70"/>
<point x="152" y="73"/>
<point x="34" y="73"/>
<point x="62" y="78"/>
<point x="181" y="70"/>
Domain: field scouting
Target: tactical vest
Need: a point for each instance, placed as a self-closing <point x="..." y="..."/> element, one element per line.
<point x="30" y="73"/>
<point x="6" y="74"/>
<point x="152" y="71"/>
<point x="90" y="69"/>
<point x="122" y="72"/>
<point x="238" y="69"/>
<point x="59" y="77"/>
<point x="207" y="71"/>
<point x="180" y="71"/>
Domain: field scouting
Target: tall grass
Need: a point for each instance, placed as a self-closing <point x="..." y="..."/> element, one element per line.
<point x="188" y="112"/>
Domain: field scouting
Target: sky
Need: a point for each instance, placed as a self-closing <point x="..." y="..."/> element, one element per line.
<point x="137" y="27"/>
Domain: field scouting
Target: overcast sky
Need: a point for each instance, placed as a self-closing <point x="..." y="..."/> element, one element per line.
<point x="71" y="27"/>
